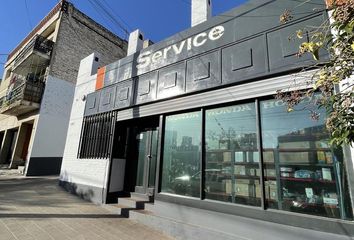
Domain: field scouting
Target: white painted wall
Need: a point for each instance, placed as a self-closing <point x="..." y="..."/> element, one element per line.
<point x="201" y="11"/>
<point x="50" y="134"/>
<point x="91" y="172"/>
<point x="136" y="42"/>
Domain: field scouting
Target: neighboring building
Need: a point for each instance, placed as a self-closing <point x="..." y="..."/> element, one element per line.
<point x="38" y="85"/>
<point x="192" y="124"/>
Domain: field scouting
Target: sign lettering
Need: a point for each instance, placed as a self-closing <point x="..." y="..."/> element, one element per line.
<point x="148" y="57"/>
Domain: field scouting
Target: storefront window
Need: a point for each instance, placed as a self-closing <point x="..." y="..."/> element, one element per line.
<point x="232" y="159"/>
<point x="181" y="155"/>
<point x="303" y="173"/>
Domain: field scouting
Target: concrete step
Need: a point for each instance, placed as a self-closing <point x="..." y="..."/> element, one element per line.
<point x="141" y="196"/>
<point x="132" y="202"/>
<point x="16" y="163"/>
<point x="179" y="230"/>
<point x="149" y="207"/>
<point x="119" y="209"/>
<point x="21" y="169"/>
<point x="4" y="166"/>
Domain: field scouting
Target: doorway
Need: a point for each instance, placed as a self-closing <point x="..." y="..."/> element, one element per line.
<point x="146" y="146"/>
<point x="8" y="145"/>
<point x="2" y="134"/>
<point x="135" y="152"/>
<point x="13" y="139"/>
<point x="20" y="151"/>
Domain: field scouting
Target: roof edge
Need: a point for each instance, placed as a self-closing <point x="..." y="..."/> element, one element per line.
<point x="52" y="12"/>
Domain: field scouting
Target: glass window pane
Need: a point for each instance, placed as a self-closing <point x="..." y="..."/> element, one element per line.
<point x="232" y="157"/>
<point x="302" y="172"/>
<point x="181" y="155"/>
<point x="154" y="146"/>
<point x="141" y="139"/>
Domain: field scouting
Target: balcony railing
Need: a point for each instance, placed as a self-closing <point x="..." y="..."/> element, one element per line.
<point x="39" y="44"/>
<point x="23" y="96"/>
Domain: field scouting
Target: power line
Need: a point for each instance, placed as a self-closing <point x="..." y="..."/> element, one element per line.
<point x="28" y="16"/>
<point x="105" y="17"/>
<point x="102" y="16"/>
<point x="127" y="25"/>
<point x="84" y="44"/>
<point x="110" y="16"/>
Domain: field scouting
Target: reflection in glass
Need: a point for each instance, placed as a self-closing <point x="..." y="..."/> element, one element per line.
<point x="232" y="158"/>
<point x="141" y="138"/>
<point x="153" y="159"/>
<point x="302" y="172"/>
<point x="181" y="155"/>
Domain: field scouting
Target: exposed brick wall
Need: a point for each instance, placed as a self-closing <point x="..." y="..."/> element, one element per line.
<point x="78" y="37"/>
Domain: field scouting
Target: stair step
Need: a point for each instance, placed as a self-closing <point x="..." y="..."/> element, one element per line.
<point x="21" y="169"/>
<point x="141" y="196"/>
<point x="119" y="209"/>
<point x="149" y="207"/>
<point x="132" y="202"/>
<point x="179" y="230"/>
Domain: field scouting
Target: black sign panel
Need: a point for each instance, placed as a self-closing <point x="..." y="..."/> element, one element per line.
<point x="146" y="88"/>
<point x="241" y="45"/>
<point x="283" y="45"/>
<point x="244" y="60"/>
<point x="203" y="72"/>
<point x="107" y="99"/>
<point x="92" y="100"/>
<point x="171" y="81"/>
<point x="124" y="96"/>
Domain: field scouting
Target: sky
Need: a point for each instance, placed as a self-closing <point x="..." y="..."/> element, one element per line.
<point x="157" y="19"/>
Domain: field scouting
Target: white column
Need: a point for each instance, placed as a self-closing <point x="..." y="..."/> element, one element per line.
<point x="136" y="42"/>
<point x="201" y="11"/>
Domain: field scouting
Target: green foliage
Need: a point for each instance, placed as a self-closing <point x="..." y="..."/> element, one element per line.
<point x="341" y="120"/>
<point x="336" y="37"/>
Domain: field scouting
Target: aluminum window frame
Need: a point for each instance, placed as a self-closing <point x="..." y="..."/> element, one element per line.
<point x="326" y="224"/>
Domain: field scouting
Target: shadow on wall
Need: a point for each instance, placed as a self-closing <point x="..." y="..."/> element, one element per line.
<point x="81" y="191"/>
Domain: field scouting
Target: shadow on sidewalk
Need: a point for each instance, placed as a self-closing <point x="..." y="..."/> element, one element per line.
<point x="55" y="215"/>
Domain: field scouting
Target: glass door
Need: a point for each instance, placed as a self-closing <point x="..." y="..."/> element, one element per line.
<point x="147" y="142"/>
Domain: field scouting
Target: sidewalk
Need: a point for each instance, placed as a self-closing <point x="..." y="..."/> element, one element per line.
<point x="5" y="172"/>
<point x="37" y="208"/>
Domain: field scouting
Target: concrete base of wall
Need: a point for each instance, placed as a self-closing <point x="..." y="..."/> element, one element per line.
<point x="184" y="222"/>
<point x="42" y="166"/>
<point x="86" y="192"/>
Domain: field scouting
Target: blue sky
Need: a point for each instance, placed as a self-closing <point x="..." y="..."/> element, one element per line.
<point x="158" y="19"/>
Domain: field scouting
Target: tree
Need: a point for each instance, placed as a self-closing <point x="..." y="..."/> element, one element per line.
<point x="332" y="77"/>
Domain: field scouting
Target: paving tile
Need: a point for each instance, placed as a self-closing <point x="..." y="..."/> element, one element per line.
<point x="37" y="209"/>
<point x="5" y="233"/>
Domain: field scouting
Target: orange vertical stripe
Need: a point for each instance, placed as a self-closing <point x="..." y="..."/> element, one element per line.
<point x="100" y="77"/>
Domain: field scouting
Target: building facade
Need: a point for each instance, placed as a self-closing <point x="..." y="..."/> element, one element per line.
<point x="38" y="85"/>
<point x="192" y="123"/>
